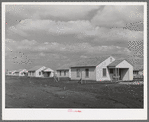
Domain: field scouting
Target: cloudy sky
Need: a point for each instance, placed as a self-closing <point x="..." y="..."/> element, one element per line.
<point x="53" y="35"/>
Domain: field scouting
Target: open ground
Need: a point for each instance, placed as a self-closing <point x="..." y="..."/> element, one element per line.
<point x="25" y="92"/>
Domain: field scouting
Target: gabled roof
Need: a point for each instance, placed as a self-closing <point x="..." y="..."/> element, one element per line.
<point x="64" y="67"/>
<point x="116" y="62"/>
<point x="35" y="68"/>
<point x="89" y="62"/>
<point x="47" y="69"/>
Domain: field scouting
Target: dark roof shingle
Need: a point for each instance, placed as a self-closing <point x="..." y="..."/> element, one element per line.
<point x="116" y="62"/>
<point x="90" y="61"/>
<point x="66" y="66"/>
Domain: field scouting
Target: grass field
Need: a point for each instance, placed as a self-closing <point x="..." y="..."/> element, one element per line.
<point x="24" y="92"/>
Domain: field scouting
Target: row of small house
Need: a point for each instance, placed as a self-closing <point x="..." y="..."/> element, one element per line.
<point x="98" y="69"/>
<point x="37" y="71"/>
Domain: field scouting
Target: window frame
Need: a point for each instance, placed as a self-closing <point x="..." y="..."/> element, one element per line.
<point x="60" y="73"/>
<point x="87" y="72"/>
<point x="64" y="72"/>
<point x="105" y="72"/>
<point x="78" y="73"/>
<point x="111" y="70"/>
<point x="135" y="72"/>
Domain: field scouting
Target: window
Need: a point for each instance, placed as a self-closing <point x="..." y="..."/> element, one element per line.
<point x="60" y="73"/>
<point x="39" y="73"/>
<point x="78" y="72"/>
<point x="104" y="72"/>
<point x="87" y="72"/>
<point x="64" y="73"/>
<point x="111" y="71"/>
<point x="135" y="72"/>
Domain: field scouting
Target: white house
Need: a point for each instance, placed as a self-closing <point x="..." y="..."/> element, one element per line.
<point x="138" y="71"/>
<point x="121" y="70"/>
<point x="21" y="72"/>
<point x="102" y="69"/>
<point x="64" y="71"/>
<point x="36" y="71"/>
<point x="11" y="72"/>
<point x="47" y="72"/>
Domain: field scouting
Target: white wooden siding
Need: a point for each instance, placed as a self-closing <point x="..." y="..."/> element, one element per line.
<point x="92" y="73"/>
<point x="129" y="73"/>
<point x="62" y="73"/>
<point x="99" y="69"/>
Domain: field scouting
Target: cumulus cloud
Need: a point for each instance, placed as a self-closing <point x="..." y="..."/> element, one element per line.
<point x="68" y="12"/>
<point x="59" y="47"/>
<point x="12" y="45"/>
<point x="81" y="28"/>
<point x="53" y="27"/>
<point x="27" y="42"/>
<point x="118" y="16"/>
<point x="120" y="34"/>
<point x="14" y="30"/>
<point x="64" y="33"/>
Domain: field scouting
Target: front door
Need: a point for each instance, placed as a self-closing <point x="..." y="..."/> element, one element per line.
<point x="111" y="73"/>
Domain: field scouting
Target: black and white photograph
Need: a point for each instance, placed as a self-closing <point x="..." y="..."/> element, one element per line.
<point x="73" y="60"/>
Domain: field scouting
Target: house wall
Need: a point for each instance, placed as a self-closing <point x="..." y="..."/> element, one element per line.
<point x="9" y="73"/>
<point x="70" y="73"/>
<point x="31" y="73"/>
<point x="36" y="73"/>
<point x="140" y="72"/>
<point x="46" y="74"/>
<point x="99" y="69"/>
<point x="62" y="73"/>
<point x="52" y="74"/>
<point x="13" y="73"/>
<point x="92" y="73"/>
<point x="125" y="74"/>
<point x="21" y="74"/>
<point x="17" y="73"/>
<point x="125" y="64"/>
<point x="39" y="70"/>
<point x="136" y="73"/>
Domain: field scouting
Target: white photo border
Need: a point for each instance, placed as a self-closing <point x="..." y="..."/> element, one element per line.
<point x="63" y="114"/>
